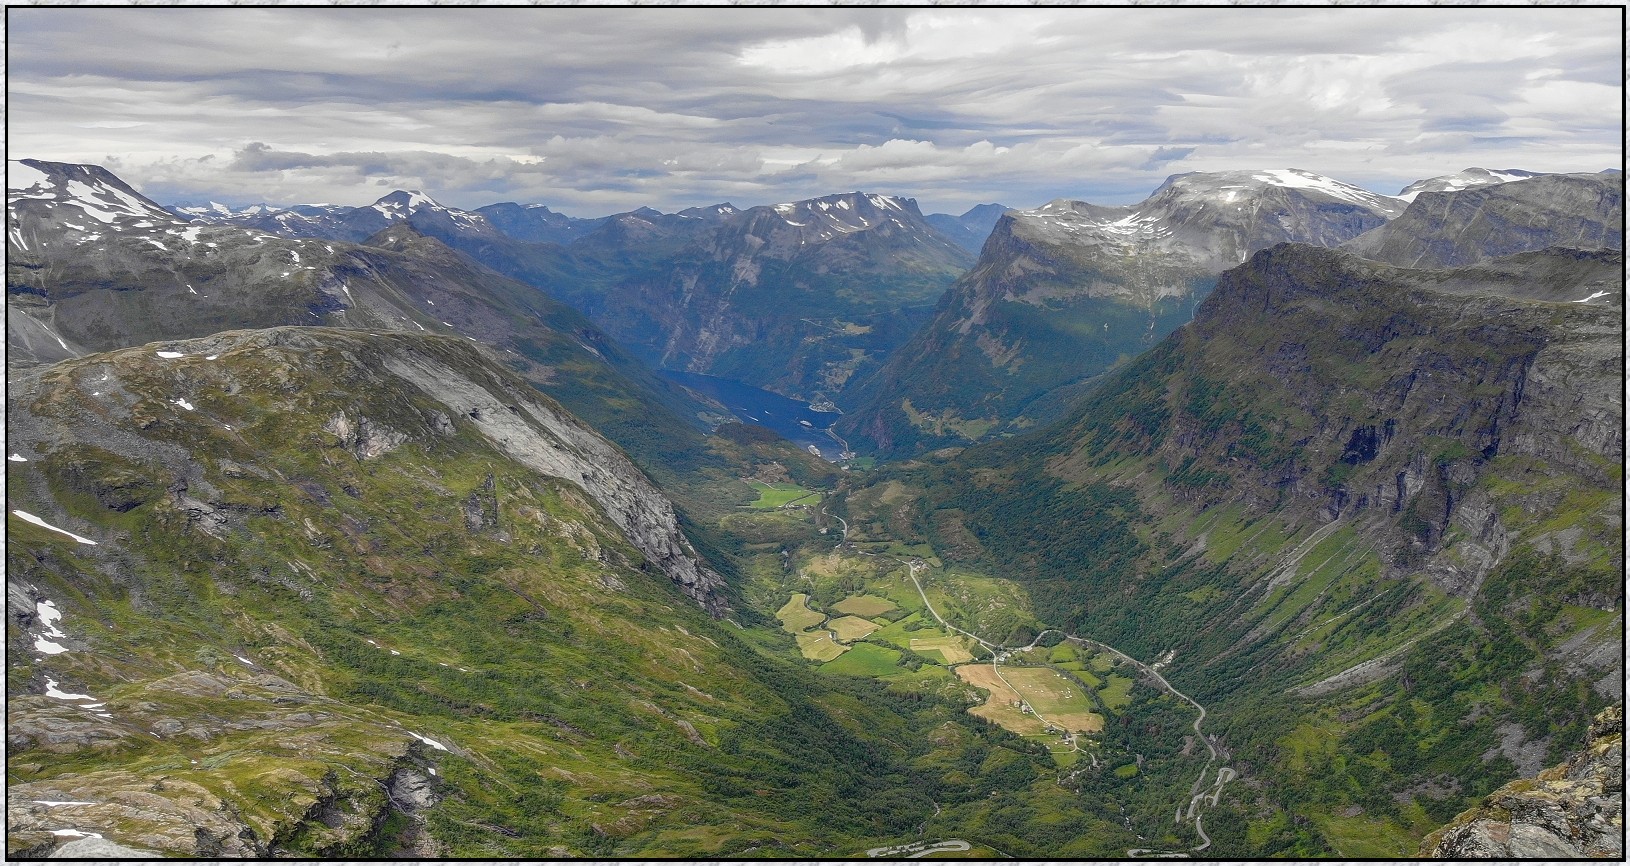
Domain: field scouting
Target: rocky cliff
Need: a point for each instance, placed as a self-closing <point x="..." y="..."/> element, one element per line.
<point x="452" y="383"/>
<point x="1571" y="811"/>
<point x="1458" y="226"/>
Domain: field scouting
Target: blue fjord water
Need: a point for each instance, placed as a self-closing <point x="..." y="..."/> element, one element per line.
<point x="753" y="405"/>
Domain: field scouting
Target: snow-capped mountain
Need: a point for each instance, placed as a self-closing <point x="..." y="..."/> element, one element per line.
<point x="1062" y="292"/>
<point x="215" y="212"/>
<point x="1464" y="179"/>
<point x="1468" y="225"/>
<point x="1216" y="219"/>
<point x="819" y="220"/>
<point x="86" y="193"/>
<point x="345" y="223"/>
<point x="712" y="212"/>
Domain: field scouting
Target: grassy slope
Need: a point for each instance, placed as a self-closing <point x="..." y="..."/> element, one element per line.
<point x="589" y="708"/>
<point x="1143" y="519"/>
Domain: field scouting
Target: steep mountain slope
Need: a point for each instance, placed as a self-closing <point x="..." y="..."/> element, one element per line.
<point x="797" y="298"/>
<point x="535" y="223"/>
<point x="1463" y="226"/>
<point x="1062" y="293"/>
<point x="1370" y="515"/>
<point x="972" y="228"/>
<point x="1572" y="811"/>
<point x="323" y="593"/>
<point x="141" y="275"/>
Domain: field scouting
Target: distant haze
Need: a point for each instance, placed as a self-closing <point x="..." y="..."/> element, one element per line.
<point x="593" y="111"/>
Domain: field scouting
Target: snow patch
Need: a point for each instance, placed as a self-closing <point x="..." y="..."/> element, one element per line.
<point x="182" y="402"/>
<point x="63" y="802"/>
<point x="38" y="522"/>
<point x="427" y="741"/>
<point x="17" y="458"/>
<point x="49" y="647"/>
<point x="46" y="610"/>
<point x="51" y="691"/>
<point x="244" y="660"/>
<point x="20" y="176"/>
<point x="1297" y="179"/>
<point x="171" y="354"/>
<point x="69" y="831"/>
<point x="1591" y="298"/>
<point x="94" y="212"/>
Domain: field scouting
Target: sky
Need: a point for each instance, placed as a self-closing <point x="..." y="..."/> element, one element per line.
<point x="595" y="111"/>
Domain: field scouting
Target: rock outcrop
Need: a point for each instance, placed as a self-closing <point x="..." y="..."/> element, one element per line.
<point x="1570" y="811"/>
<point x="1465" y="226"/>
<point x="137" y="389"/>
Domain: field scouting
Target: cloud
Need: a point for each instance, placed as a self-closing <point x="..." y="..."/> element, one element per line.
<point x="609" y="109"/>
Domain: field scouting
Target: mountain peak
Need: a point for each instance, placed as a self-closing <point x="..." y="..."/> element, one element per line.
<point x="1464" y="179"/>
<point x="1233" y="185"/>
<point x="91" y="188"/>
<point x="404" y="201"/>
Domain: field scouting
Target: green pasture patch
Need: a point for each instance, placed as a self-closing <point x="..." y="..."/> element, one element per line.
<point x="819" y="646"/>
<point x="771" y="496"/>
<point x="950" y="648"/>
<point x="1117" y="694"/>
<point x="796" y="616"/>
<point x="852" y="628"/>
<point x="864" y="605"/>
<point x="1365" y="836"/>
<point x="864" y="660"/>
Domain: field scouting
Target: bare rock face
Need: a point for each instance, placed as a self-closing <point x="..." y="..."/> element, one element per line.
<point x="1569" y="811"/>
<point x="1465" y="226"/>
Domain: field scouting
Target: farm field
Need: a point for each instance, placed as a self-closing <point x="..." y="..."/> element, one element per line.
<point x="819" y="646"/>
<point x="1000" y="708"/>
<point x="796" y="616"/>
<point x="1062" y="702"/>
<point x="864" y="660"/>
<point x="902" y="631"/>
<point x="949" y="647"/>
<point x="852" y="628"/>
<point x="864" y="605"/>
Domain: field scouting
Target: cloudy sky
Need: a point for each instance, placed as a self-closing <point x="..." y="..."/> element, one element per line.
<point x="593" y="111"/>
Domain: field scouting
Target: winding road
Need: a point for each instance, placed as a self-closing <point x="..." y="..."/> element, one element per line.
<point x="1199" y="797"/>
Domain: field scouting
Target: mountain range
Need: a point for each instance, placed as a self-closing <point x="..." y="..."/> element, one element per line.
<point x="1065" y="292"/>
<point x="351" y="533"/>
